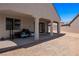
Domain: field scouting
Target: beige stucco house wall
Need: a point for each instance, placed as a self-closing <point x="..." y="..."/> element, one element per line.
<point x="25" y="23"/>
<point x="27" y="13"/>
<point x="73" y="27"/>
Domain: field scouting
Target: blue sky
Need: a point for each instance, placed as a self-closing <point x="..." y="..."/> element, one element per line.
<point x="67" y="11"/>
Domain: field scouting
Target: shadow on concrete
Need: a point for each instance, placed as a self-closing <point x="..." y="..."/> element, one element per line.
<point x="32" y="43"/>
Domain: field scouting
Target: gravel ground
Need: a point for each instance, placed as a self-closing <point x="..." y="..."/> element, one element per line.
<point x="67" y="45"/>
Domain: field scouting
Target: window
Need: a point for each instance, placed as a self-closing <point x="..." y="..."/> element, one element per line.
<point x="12" y="24"/>
<point x="16" y="24"/>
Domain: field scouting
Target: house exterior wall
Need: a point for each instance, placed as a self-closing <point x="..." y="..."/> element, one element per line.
<point x="25" y="23"/>
<point x="74" y="27"/>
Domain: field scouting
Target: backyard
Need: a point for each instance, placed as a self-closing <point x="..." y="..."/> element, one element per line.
<point x="67" y="44"/>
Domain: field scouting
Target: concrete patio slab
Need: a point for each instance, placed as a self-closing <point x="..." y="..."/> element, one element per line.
<point x="6" y="43"/>
<point x="25" y="42"/>
<point x="15" y="42"/>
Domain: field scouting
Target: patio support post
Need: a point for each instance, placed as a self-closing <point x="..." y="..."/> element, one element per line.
<point x="58" y="28"/>
<point x="37" y="29"/>
<point x="51" y="29"/>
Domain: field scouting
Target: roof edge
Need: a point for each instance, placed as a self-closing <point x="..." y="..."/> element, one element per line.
<point x="56" y="12"/>
<point x="74" y="19"/>
<point x="71" y="21"/>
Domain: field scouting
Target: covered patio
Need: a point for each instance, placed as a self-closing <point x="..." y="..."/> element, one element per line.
<point x="8" y="45"/>
<point x="35" y="17"/>
<point x="37" y="26"/>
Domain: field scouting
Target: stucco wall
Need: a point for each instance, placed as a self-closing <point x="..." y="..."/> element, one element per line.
<point x="69" y="29"/>
<point x="2" y="27"/>
<point x="25" y="23"/>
